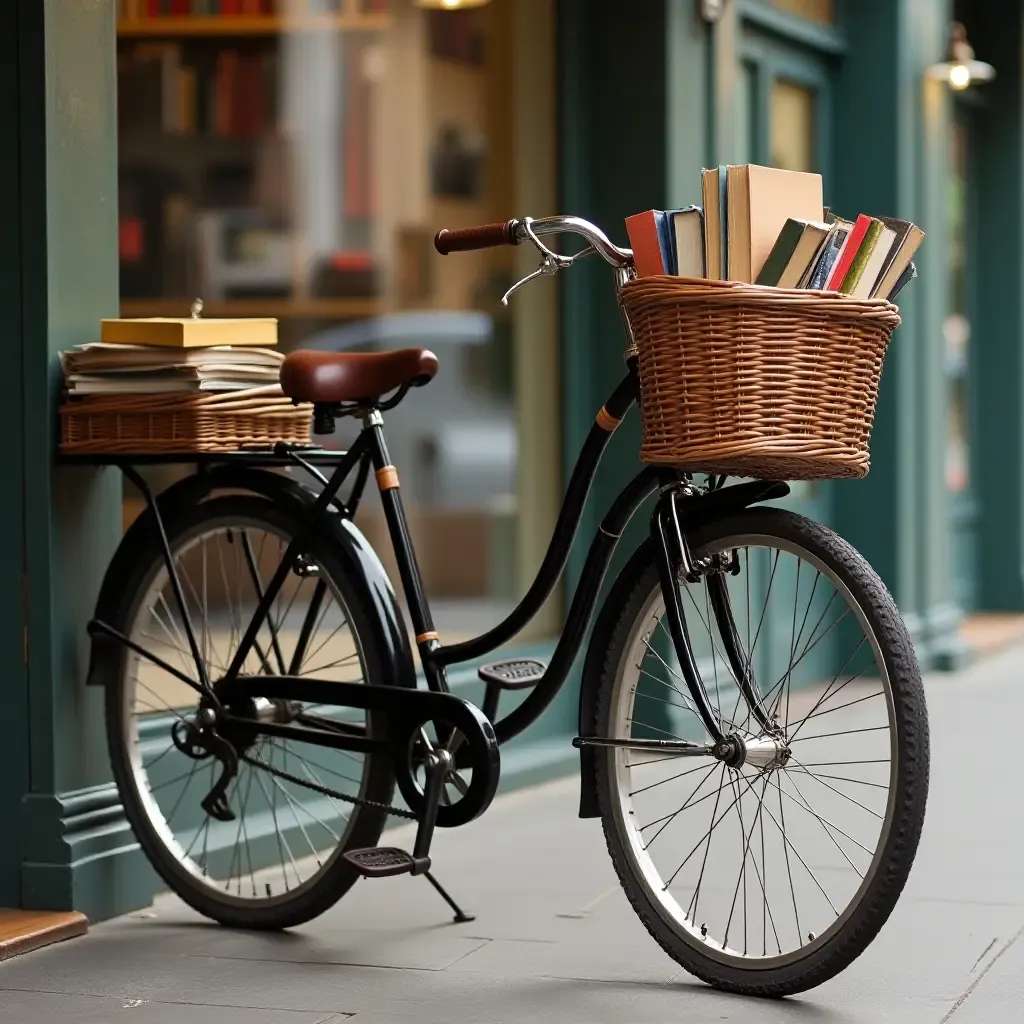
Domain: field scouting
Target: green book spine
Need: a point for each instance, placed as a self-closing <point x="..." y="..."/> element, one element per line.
<point x="853" y="275"/>
<point x="782" y="251"/>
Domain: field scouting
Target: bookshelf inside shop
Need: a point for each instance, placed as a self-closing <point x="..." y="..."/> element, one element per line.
<point x="293" y="159"/>
<point x="264" y="159"/>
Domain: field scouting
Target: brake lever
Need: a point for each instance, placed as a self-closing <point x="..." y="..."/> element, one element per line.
<point x="550" y="263"/>
<point x="547" y="267"/>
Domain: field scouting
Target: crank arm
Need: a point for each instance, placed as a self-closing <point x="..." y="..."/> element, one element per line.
<point x="678" y="748"/>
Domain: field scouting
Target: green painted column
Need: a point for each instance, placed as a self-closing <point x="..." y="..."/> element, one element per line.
<point x="76" y="848"/>
<point x="997" y="309"/>
<point x="898" y="517"/>
<point x="926" y="39"/>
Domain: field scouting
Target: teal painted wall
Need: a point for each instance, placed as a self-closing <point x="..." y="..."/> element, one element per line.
<point x="997" y="330"/>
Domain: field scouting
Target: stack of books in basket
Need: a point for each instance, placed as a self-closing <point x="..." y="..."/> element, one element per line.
<point x="166" y="385"/>
<point x="768" y="226"/>
<point x="759" y="322"/>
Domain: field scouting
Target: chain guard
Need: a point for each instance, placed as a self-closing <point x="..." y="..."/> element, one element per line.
<point x="405" y="711"/>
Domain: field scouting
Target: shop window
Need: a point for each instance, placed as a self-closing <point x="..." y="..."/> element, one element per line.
<point x="792" y="120"/>
<point x="297" y="165"/>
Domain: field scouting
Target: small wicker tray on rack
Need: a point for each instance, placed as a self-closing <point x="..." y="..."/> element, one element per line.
<point x="753" y="381"/>
<point x="175" y="423"/>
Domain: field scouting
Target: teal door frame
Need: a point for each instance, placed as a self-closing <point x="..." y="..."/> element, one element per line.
<point x="964" y="506"/>
<point x="14" y="752"/>
<point x="899" y="516"/>
<point x="775" y="48"/>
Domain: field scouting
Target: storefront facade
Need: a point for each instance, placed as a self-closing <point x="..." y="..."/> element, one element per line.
<point x="576" y="107"/>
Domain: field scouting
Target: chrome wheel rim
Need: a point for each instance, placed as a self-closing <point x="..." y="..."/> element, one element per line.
<point x="718" y="918"/>
<point x="285" y="836"/>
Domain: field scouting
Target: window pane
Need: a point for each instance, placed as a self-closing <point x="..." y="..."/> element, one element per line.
<point x="957" y="328"/>
<point x="821" y="11"/>
<point x="297" y="166"/>
<point x="792" y="137"/>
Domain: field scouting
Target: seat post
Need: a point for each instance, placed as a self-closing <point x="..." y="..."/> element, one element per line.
<point x="398" y="527"/>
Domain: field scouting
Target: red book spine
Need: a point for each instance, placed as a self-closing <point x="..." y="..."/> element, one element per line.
<point x="642" y="229"/>
<point x="230" y="6"/>
<point x="181" y="7"/>
<point x="849" y="251"/>
<point x="153" y="8"/>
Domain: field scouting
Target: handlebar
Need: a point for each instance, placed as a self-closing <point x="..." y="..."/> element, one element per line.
<point x="513" y="232"/>
<point x="486" y="236"/>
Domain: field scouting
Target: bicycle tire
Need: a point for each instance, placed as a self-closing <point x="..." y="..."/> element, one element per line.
<point x="619" y="619"/>
<point x="336" y="877"/>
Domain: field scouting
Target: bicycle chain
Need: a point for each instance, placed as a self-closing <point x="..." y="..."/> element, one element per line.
<point x="358" y="801"/>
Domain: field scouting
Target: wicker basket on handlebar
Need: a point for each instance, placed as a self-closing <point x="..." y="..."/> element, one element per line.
<point x="758" y="382"/>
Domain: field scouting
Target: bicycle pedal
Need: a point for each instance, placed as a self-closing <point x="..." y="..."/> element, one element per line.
<point x="514" y="674"/>
<point x="384" y="861"/>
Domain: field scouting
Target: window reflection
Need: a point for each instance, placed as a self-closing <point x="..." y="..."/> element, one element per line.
<point x="821" y="11"/>
<point x="295" y="160"/>
<point x="792" y="126"/>
<point x="957" y="328"/>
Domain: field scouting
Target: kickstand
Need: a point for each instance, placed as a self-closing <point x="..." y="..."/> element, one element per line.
<point x="461" y="917"/>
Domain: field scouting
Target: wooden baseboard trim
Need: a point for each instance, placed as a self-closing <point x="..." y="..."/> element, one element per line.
<point x="22" y="931"/>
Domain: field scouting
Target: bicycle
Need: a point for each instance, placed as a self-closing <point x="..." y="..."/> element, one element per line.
<point x="768" y="778"/>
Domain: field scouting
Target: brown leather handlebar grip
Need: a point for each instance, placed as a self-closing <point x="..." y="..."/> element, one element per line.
<point x="486" y="236"/>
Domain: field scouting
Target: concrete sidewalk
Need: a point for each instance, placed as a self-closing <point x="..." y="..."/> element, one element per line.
<point x="555" y="940"/>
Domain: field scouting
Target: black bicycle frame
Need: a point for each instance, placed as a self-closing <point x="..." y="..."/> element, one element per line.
<point x="679" y="503"/>
<point x="370" y="448"/>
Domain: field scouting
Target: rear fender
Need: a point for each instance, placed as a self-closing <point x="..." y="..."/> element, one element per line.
<point x="362" y="566"/>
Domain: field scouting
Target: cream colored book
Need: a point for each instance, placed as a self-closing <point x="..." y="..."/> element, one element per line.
<point x="190" y="332"/>
<point x="760" y="201"/>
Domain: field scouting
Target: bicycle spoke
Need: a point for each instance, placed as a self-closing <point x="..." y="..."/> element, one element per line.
<point x="695" y="899"/>
<point x="637" y="792"/>
<point x="282" y="840"/>
<point x="845" y="796"/>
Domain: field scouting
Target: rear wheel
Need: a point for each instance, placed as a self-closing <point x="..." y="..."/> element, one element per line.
<point x="278" y="863"/>
<point x="772" y="876"/>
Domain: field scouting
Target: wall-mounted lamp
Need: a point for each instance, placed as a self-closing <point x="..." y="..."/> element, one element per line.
<point x="960" y="69"/>
<point x="450" y="5"/>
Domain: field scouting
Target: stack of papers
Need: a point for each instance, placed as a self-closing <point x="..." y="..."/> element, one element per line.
<point x="102" y="369"/>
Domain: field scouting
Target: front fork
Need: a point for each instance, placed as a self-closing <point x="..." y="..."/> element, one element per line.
<point x="675" y="567"/>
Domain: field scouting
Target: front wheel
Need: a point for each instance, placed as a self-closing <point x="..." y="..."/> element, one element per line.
<point x="770" y="877"/>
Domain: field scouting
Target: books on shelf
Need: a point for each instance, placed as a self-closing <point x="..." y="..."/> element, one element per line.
<point x="100" y="368"/>
<point x="226" y="92"/>
<point x="766" y="226"/>
<point x="145" y="10"/>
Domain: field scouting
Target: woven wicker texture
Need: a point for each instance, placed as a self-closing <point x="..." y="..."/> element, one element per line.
<point x="169" y="424"/>
<point x="758" y="382"/>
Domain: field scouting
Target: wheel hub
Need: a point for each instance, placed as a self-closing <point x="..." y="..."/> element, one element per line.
<point x="763" y="752"/>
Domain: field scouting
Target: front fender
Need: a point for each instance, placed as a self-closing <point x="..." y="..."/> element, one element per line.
<point x="362" y="566"/>
<point x="695" y="512"/>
